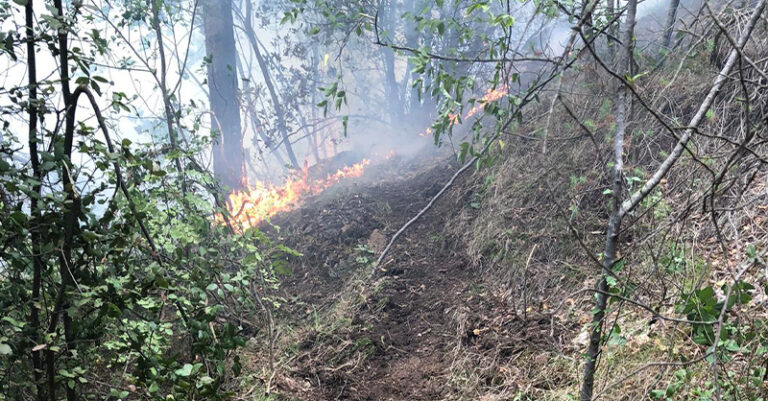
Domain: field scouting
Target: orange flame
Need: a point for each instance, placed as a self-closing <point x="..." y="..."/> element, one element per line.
<point x="248" y="208"/>
<point x="492" y="95"/>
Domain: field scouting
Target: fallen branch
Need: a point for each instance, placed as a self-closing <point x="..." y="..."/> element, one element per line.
<point x="634" y="200"/>
<point x="450" y="182"/>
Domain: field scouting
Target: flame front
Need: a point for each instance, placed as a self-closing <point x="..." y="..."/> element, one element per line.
<point x="248" y="208"/>
<point x="492" y="95"/>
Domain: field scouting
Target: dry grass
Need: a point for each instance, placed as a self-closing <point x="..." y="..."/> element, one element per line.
<point x="520" y="236"/>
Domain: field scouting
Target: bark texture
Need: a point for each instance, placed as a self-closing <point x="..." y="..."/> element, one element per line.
<point x="669" y="26"/>
<point x="223" y="94"/>
<point x="610" y="254"/>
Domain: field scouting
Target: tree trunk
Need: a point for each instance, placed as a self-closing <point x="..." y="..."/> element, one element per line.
<point x="589" y="32"/>
<point x="412" y="41"/>
<point x="634" y="200"/>
<point x="282" y="125"/>
<point x="610" y="12"/>
<point x="167" y="106"/>
<point x="669" y="27"/>
<point x="391" y="86"/>
<point x="315" y="74"/>
<point x="37" y="262"/>
<point x="223" y="93"/>
<point x="614" y="224"/>
<point x="69" y="215"/>
<point x="251" y="117"/>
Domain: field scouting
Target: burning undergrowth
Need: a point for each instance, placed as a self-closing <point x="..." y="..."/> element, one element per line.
<point x="250" y="207"/>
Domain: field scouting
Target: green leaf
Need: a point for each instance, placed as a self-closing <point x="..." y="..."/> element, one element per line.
<point x="5" y="349"/>
<point x="483" y="5"/>
<point x="281" y="267"/>
<point x="184" y="371"/>
<point x="206" y="380"/>
<point x="751" y="251"/>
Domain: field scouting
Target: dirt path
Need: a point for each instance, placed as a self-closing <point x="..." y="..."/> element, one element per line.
<point x="393" y="335"/>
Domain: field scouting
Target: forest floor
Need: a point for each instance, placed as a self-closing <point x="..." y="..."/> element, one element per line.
<point x="350" y="331"/>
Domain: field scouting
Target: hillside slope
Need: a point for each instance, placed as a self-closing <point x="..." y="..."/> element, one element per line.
<point x="486" y="297"/>
<point x="404" y="330"/>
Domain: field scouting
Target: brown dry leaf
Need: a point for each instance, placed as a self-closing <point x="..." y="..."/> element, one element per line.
<point x="582" y="339"/>
<point x="377" y="241"/>
<point x="640" y="339"/>
<point x="585" y="318"/>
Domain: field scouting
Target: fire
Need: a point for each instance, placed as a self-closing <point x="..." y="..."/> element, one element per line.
<point x="248" y="208"/>
<point x="492" y="95"/>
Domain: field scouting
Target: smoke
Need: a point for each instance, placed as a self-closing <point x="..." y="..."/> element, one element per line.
<point x="652" y="7"/>
<point x="384" y="110"/>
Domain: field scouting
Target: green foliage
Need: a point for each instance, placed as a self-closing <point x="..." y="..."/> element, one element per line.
<point x="162" y="318"/>
<point x="365" y="255"/>
<point x="119" y="294"/>
<point x="681" y="378"/>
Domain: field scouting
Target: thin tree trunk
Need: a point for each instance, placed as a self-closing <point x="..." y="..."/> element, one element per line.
<point x="315" y="75"/>
<point x="631" y="202"/>
<point x="391" y="86"/>
<point x="408" y="91"/>
<point x="250" y="110"/>
<point x="610" y="11"/>
<point x="669" y="27"/>
<point x="172" y="133"/>
<point x="37" y="262"/>
<point x="283" y="80"/>
<point x="69" y="214"/>
<point x="391" y="91"/>
<point x="228" y="159"/>
<point x="281" y="121"/>
<point x="614" y="224"/>
<point x="591" y="71"/>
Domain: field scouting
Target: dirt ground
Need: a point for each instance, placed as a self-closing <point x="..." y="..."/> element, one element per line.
<point x="392" y="332"/>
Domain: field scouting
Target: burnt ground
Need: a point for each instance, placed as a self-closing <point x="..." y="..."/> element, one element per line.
<point x="349" y="331"/>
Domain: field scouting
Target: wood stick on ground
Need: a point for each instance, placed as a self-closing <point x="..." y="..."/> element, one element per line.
<point x="450" y="182"/>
